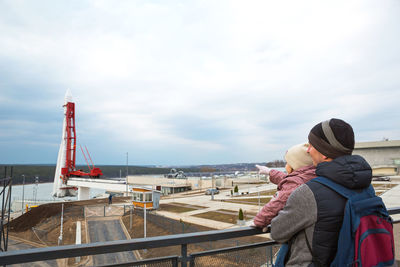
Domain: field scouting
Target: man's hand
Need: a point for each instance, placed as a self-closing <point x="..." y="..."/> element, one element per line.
<point x="263" y="169"/>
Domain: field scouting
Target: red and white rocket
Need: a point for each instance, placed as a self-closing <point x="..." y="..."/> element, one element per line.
<point x="66" y="154"/>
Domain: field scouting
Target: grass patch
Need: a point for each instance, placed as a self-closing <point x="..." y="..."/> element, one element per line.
<point x="227" y="216"/>
<point x="263" y="193"/>
<point x="174" y="208"/>
<point x="250" y="201"/>
<point x="236" y="212"/>
<point x="179" y="207"/>
<point x="187" y="205"/>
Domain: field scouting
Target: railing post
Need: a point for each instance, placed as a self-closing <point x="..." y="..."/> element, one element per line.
<point x="271" y="255"/>
<point x="192" y="261"/>
<point x="184" y="255"/>
<point x="175" y="262"/>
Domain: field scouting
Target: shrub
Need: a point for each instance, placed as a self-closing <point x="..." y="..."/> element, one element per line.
<point x="236" y="189"/>
<point x="240" y="214"/>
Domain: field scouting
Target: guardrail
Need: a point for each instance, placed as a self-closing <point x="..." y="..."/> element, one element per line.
<point x="183" y="240"/>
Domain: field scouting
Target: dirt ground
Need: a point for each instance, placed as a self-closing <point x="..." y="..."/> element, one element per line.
<point x="42" y="224"/>
<point x="137" y="231"/>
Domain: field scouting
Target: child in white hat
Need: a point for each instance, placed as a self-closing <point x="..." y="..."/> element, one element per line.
<point x="299" y="169"/>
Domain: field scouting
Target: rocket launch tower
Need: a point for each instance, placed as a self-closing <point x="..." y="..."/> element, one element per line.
<point x="67" y="154"/>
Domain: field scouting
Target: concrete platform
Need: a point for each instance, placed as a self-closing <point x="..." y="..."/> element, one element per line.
<point x="391" y="198"/>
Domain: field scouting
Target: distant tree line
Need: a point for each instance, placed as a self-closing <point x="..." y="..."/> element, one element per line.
<point x="46" y="172"/>
<point x="276" y="164"/>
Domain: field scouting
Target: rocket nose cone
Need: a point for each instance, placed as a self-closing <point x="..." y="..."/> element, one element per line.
<point x="68" y="96"/>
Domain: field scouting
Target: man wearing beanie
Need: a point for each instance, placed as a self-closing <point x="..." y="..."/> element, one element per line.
<point x="311" y="220"/>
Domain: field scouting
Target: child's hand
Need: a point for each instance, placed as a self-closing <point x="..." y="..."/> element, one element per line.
<point x="251" y="224"/>
<point x="263" y="169"/>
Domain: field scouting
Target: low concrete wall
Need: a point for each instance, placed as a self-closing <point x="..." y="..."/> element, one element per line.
<point x="195" y="183"/>
<point x="379" y="156"/>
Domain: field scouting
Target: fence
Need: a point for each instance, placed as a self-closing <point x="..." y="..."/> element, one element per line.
<point x="48" y="253"/>
<point x="180" y="227"/>
<point x="104" y="210"/>
<point x="220" y="257"/>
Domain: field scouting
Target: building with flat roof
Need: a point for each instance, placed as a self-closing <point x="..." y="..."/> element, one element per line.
<point x="383" y="156"/>
<point x="174" y="185"/>
<point x="145" y="197"/>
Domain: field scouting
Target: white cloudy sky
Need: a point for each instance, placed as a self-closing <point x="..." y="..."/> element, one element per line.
<point x="194" y="82"/>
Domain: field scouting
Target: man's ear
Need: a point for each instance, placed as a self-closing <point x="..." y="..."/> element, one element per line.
<point x="326" y="159"/>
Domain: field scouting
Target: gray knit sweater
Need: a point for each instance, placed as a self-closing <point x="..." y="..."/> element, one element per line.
<point x="299" y="213"/>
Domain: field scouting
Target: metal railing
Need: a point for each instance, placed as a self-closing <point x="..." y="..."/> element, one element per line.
<point x="183" y="240"/>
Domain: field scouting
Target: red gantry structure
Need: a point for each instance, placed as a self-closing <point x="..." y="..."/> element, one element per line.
<point x="67" y="155"/>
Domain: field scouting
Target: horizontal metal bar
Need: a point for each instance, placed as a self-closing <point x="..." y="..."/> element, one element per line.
<point x="143" y="262"/>
<point x="49" y="253"/>
<point x="394" y="210"/>
<point x="3" y="180"/>
<point x="230" y="249"/>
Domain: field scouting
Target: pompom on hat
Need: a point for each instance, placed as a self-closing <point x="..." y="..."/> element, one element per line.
<point x="332" y="138"/>
<point x="298" y="157"/>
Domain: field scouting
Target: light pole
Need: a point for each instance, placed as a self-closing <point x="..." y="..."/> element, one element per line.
<point x="173" y="190"/>
<point x="23" y="192"/>
<point x="130" y="217"/>
<point x="35" y="189"/>
<point x="145" y="221"/>
<point x="60" y="238"/>
<point x="258" y="191"/>
<point x="127" y="164"/>
<point x="126" y="180"/>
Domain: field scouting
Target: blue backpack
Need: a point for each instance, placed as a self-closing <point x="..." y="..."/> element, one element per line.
<point x="366" y="235"/>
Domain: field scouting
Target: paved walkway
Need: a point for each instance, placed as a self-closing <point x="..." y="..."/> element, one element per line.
<point x="391" y="198"/>
<point x="108" y="230"/>
<point x="213" y="205"/>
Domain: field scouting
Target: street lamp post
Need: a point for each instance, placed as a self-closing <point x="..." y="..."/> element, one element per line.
<point x="60" y="238"/>
<point x="23" y="192"/>
<point x="145" y="221"/>
<point x="127" y="171"/>
<point x="35" y="189"/>
<point x="258" y="191"/>
<point x="173" y="190"/>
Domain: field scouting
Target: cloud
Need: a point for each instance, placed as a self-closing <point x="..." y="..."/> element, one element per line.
<point x="196" y="82"/>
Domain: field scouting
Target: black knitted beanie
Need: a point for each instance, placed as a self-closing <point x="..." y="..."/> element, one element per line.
<point x="332" y="138"/>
